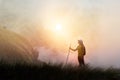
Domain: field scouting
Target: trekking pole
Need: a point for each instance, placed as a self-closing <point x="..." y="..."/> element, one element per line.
<point x="68" y="55"/>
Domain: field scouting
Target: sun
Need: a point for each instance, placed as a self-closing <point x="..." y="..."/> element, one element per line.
<point x="58" y="27"/>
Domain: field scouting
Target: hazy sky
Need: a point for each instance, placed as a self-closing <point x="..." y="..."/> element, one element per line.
<point x="95" y="21"/>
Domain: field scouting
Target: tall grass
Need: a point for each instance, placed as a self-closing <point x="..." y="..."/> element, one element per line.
<point x="55" y="72"/>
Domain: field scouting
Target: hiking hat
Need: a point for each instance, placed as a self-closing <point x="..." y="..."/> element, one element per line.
<point x="80" y="41"/>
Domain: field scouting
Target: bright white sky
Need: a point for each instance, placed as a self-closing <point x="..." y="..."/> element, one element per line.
<point x="96" y="21"/>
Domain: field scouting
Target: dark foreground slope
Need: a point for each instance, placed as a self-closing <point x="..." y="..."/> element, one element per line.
<point x="47" y="72"/>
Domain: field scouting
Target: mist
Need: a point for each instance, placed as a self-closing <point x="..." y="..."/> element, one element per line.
<point x="95" y="21"/>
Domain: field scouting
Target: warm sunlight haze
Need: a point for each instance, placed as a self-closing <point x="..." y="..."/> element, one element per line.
<point x="60" y="39"/>
<point x="58" y="27"/>
<point x="52" y="25"/>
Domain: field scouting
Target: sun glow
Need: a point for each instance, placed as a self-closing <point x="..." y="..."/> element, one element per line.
<point x="58" y="27"/>
<point x="59" y="30"/>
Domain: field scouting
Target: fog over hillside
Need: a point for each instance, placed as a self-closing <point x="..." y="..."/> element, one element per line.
<point x="95" y="21"/>
<point x="15" y="48"/>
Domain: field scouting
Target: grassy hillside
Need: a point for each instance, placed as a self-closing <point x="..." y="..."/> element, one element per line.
<point x="15" y="50"/>
<point x="14" y="47"/>
<point x="48" y="72"/>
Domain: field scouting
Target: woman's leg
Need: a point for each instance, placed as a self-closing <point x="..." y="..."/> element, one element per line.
<point x="81" y="61"/>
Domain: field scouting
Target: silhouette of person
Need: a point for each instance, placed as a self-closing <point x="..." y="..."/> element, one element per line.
<point x="81" y="52"/>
